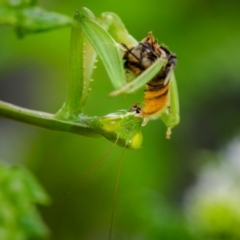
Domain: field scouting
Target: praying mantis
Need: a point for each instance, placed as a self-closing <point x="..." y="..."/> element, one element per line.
<point x="106" y="35"/>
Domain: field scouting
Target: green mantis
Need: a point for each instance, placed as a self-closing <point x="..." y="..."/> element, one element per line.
<point x="89" y="32"/>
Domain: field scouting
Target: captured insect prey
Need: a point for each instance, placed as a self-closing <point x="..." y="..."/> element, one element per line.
<point x="157" y="93"/>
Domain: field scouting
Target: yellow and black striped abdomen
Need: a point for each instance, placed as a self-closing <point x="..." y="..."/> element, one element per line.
<point x="139" y="58"/>
<point x="156" y="99"/>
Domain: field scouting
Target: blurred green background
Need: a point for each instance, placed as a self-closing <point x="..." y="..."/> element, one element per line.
<point x="155" y="179"/>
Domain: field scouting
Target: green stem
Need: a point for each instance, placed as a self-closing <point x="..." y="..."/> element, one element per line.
<point x="47" y="120"/>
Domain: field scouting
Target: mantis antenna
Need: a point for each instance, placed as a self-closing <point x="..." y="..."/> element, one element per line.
<point x="115" y="194"/>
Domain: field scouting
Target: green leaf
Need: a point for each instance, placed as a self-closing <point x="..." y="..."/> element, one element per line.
<point x="26" y="17"/>
<point x="19" y="191"/>
<point x="36" y="19"/>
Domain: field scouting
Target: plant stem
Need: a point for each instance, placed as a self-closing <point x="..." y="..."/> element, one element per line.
<point x="47" y="120"/>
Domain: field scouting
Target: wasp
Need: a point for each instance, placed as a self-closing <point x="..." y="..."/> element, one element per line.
<point x="139" y="58"/>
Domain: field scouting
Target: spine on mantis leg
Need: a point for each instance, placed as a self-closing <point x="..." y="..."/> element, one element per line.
<point x="81" y="63"/>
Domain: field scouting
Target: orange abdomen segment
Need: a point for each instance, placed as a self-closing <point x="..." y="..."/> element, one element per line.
<point x="155" y="101"/>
